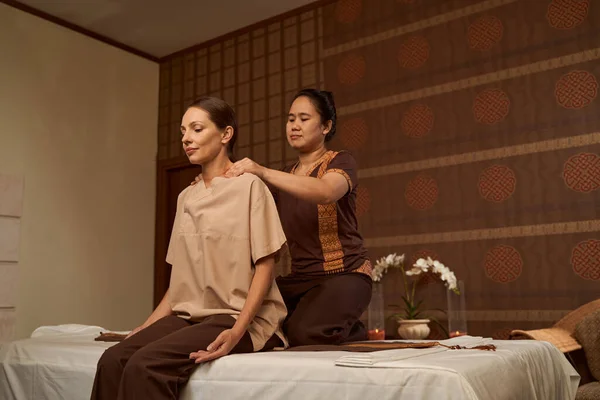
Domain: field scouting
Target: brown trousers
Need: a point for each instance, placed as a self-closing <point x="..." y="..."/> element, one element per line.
<point x="154" y="363"/>
<point x="325" y="310"/>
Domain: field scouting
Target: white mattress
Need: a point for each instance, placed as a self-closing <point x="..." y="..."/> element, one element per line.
<point x="60" y="363"/>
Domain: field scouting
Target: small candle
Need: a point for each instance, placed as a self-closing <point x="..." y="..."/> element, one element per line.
<point x="376" y="334"/>
<point x="457" y="333"/>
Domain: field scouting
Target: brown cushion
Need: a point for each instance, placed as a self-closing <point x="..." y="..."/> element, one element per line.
<point x="591" y="391"/>
<point x="577" y="359"/>
<point x="587" y="333"/>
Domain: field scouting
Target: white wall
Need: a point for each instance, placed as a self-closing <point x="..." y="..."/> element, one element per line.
<point x="78" y="124"/>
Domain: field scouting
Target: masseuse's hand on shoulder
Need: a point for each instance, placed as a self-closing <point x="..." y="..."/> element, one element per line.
<point x="240" y="167"/>
<point x="222" y="346"/>
<point x="196" y="180"/>
<point x="245" y="166"/>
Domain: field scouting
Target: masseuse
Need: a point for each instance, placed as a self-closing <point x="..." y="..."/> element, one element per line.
<point x="330" y="284"/>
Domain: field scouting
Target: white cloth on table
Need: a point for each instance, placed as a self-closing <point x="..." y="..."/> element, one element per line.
<point x="63" y="365"/>
<point x="385" y="358"/>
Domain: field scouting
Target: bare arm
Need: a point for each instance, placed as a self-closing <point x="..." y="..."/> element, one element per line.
<point x="162" y="310"/>
<point x="228" y="339"/>
<point x="261" y="283"/>
<point x="328" y="189"/>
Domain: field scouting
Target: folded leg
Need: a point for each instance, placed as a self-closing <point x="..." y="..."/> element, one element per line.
<point x="329" y="313"/>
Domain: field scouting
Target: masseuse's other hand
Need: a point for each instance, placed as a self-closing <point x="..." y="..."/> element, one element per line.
<point x="196" y="180"/>
<point x="222" y="345"/>
<point x="243" y="166"/>
<point x="134" y="331"/>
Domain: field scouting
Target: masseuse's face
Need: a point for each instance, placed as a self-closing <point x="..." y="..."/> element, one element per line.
<point x="202" y="140"/>
<point x="304" y="129"/>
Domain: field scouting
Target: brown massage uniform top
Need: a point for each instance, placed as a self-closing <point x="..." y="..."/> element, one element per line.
<point x="338" y="248"/>
<point x="218" y="234"/>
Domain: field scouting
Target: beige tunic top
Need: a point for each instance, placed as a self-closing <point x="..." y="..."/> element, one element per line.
<point x="218" y="235"/>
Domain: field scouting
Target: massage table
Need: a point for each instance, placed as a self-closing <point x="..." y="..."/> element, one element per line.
<point x="59" y="362"/>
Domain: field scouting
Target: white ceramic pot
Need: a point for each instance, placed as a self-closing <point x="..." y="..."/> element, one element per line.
<point x="414" y="329"/>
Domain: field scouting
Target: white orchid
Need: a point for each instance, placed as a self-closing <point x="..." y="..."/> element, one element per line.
<point x="382" y="265"/>
<point x="437" y="268"/>
<point x="412" y="309"/>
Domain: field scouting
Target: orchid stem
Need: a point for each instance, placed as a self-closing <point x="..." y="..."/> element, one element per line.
<point x="412" y="296"/>
<point x="405" y="284"/>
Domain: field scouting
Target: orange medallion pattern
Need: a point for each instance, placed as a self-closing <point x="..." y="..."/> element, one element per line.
<point x="422" y="192"/>
<point x="352" y="69"/>
<point x="417" y="121"/>
<point x="581" y="172"/>
<point x="497" y="183"/>
<point x="354" y="133"/>
<point x="567" y="14"/>
<point x="491" y="106"/>
<point x="576" y="89"/>
<point x="484" y="33"/>
<point x="414" y="52"/>
<point x="503" y="264"/>
<point x="585" y="259"/>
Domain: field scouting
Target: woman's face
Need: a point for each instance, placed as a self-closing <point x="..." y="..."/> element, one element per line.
<point x="202" y="139"/>
<point x="304" y="129"/>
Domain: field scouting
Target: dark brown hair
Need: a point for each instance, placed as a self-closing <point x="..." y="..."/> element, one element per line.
<point x="323" y="102"/>
<point x="222" y="115"/>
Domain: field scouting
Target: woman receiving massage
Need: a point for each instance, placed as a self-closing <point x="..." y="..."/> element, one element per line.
<point x="330" y="283"/>
<point x="222" y="297"/>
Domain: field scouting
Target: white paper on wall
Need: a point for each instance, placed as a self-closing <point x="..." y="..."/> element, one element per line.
<point x="9" y="239"/>
<point x="11" y="209"/>
<point x="11" y="196"/>
<point x="9" y="281"/>
<point x="7" y="324"/>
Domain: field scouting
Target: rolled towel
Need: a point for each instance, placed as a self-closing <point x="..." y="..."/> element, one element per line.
<point x="111" y="337"/>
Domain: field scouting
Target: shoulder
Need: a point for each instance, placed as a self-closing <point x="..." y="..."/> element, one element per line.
<point x="247" y="179"/>
<point x="184" y="192"/>
<point x="248" y="183"/>
<point x="184" y="196"/>
<point x="342" y="157"/>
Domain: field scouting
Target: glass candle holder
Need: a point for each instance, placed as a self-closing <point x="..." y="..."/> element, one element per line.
<point x="376" y="321"/>
<point x="457" y="312"/>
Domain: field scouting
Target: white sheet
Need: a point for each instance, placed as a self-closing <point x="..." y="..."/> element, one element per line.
<point x="388" y="358"/>
<point x="60" y="362"/>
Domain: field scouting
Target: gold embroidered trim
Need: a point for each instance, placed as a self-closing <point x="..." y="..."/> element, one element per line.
<point x="325" y="158"/>
<point x="327" y="217"/>
<point x="344" y="174"/>
<point x="328" y="227"/>
<point x="366" y="268"/>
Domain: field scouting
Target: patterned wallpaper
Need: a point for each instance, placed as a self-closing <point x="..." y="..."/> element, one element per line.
<point x="476" y="125"/>
<point x="257" y="72"/>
